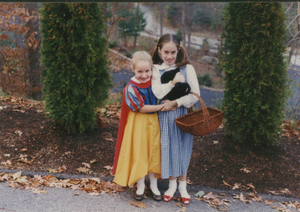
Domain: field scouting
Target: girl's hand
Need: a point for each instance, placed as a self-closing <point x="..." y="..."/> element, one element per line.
<point x="159" y="107"/>
<point x="178" y="78"/>
<point x="169" y="105"/>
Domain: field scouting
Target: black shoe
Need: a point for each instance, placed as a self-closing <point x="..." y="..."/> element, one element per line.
<point x="138" y="197"/>
<point x="156" y="197"/>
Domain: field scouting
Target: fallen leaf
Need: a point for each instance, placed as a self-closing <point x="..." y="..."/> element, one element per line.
<point x="96" y="179"/>
<point x="7" y="163"/>
<point x="284" y="191"/>
<point x="17" y="175"/>
<point x="225" y="183"/>
<point x="199" y="194"/>
<point x="236" y="186"/>
<point x="242" y="198"/>
<point x="269" y="202"/>
<point x="108" y="167"/>
<point x="183" y="209"/>
<point x="178" y="204"/>
<point x="245" y="170"/>
<point x="87" y="165"/>
<point x="18" y="132"/>
<point x="215" y="142"/>
<point x="2" y="107"/>
<point x="93" y="161"/>
<point x="138" y="204"/>
<point x="189" y="182"/>
<point x="83" y="169"/>
<point x="255" y="198"/>
<point x="23" y="150"/>
<point x="94" y="194"/>
<point x="38" y="190"/>
<point x="52" y="170"/>
<point x="62" y="169"/>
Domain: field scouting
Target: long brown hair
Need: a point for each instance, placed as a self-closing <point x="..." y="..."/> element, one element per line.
<point x="182" y="56"/>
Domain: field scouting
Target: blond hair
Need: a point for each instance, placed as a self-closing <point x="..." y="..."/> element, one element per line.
<point x="141" y="56"/>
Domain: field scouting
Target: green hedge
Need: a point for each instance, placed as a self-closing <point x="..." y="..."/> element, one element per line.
<point x="252" y="58"/>
<point x="74" y="59"/>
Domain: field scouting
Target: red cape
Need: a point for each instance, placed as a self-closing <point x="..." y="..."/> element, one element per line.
<point x="123" y="120"/>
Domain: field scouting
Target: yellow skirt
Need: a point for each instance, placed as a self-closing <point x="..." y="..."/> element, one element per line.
<point x="140" y="150"/>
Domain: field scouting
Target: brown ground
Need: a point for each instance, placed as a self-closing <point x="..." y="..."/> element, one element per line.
<point x="29" y="142"/>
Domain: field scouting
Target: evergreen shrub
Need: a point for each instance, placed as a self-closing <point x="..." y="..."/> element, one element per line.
<point x="75" y="67"/>
<point x="205" y="80"/>
<point x="255" y="81"/>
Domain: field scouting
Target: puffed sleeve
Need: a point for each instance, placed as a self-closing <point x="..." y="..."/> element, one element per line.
<point x="190" y="99"/>
<point x="133" y="98"/>
<point x="159" y="89"/>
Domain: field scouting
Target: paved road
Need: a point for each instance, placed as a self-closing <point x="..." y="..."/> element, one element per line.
<point x="152" y="29"/>
<point x="214" y="98"/>
<point x="66" y="200"/>
<point x="210" y="97"/>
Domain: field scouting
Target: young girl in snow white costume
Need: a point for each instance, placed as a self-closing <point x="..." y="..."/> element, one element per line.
<point x="138" y="141"/>
<point x="176" y="145"/>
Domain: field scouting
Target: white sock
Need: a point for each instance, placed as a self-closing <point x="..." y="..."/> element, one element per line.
<point x="153" y="184"/>
<point x="182" y="189"/>
<point x="172" y="188"/>
<point x="140" y="186"/>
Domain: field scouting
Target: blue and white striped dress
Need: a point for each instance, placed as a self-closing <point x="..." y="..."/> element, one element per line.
<point x="176" y="145"/>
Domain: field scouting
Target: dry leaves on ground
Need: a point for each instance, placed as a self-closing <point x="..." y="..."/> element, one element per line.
<point x="222" y="204"/>
<point x="35" y="184"/>
<point x="139" y="204"/>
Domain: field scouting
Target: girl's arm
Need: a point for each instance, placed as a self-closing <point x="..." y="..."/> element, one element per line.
<point x="159" y="89"/>
<point x="150" y="108"/>
<point x="190" y="99"/>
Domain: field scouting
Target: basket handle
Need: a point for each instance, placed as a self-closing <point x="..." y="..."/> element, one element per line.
<point x="205" y="111"/>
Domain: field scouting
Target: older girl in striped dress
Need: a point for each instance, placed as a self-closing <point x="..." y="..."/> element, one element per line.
<point x="176" y="145"/>
<point x="138" y="142"/>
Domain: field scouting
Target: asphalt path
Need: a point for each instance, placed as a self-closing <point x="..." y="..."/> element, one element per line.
<point x="65" y="199"/>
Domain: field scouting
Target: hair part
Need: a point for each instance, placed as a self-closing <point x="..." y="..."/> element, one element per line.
<point x="141" y="56"/>
<point x="182" y="56"/>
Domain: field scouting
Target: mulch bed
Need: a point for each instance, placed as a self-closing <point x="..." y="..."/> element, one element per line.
<point x="29" y="141"/>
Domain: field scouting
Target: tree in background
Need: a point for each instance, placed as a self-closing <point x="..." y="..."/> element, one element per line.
<point x="132" y="23"/>
<point x="194" y="17"/>
<point x="112" y="18"/>
<point x="19" y="51"/>
<point x="75" y="67"/>
<point x="33" y="38"/>
<point x="252" y="58"/>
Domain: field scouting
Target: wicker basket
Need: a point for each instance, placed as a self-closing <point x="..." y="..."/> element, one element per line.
<point x="202" y="121"/>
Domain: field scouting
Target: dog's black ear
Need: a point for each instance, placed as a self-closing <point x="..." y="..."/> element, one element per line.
<point x="169" y="75"/>
<point x="179" y="90"/>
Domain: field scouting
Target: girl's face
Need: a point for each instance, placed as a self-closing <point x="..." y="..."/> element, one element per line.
<point x="168" y="53"/>
<point x="142" y="71"/>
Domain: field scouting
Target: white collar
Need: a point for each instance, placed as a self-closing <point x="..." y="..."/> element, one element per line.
<point x="165" y="66"/>
<point x="134" y="79"/>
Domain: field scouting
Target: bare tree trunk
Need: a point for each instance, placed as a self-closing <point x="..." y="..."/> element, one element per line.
<point x="4" y="89"/>
<point x="183" y="23"/>
<point x="161" y="12"/>
<point x="189" y="34"/>
<point x="115" y="25"/>
<point x="136" y="23"/>
<point x="2" y="79"/>
<point x="34" y="52"/>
